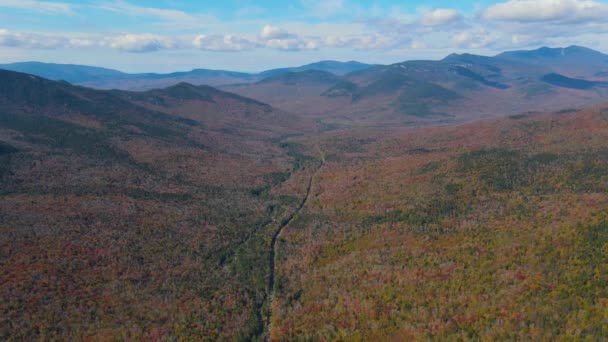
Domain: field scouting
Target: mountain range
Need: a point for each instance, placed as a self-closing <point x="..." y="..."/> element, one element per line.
<point x="457" y="88"/>
<point x="103" y="78"/>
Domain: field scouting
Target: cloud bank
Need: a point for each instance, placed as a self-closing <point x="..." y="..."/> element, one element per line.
<point x="503" y="25"/>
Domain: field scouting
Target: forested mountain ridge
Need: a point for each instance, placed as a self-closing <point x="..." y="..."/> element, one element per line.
<point x="139" y="215"/>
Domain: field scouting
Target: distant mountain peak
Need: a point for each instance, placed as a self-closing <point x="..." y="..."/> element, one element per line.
<point x="549" y="52"/>
<point x="574" y="60"/>
<point x="466" y="58"/>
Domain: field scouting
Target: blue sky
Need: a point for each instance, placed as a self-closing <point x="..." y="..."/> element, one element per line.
<point x="247" y="35"/>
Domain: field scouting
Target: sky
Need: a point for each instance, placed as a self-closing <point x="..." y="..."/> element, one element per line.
<point x="247" y="35"/>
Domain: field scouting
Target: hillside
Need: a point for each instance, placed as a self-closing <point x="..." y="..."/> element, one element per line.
<point x="127" y="218"/>
<point x="493" y="230"/>
<point x="65" y="72"/>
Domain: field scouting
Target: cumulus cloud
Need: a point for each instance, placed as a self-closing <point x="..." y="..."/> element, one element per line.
<point x="141" y="42"/>
<point x="336" y="41"/>
<point x="277" y="38"/>
<point x="8" y="38"/>
<point x="424" y="22"/>
<point x="222" y="43"/>
<point x="125" y="42"/>
<point x="273" y="32"/>
<point x="547" y="10"/>
<point x="32" y="40"/>
<point x="292" y="44"/>
<point x="82" y="42"/>
<point x="440" y="16"/>
<point x="504" y="25"/>
<point x="364" y="42"/>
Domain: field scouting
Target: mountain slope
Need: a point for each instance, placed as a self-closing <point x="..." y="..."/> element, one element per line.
<point x="110" y="200"/>
<point x="572" y="83"/>
<point x="492" y="230"/>
<point x="575" y="61"/>
<point x="66" y="72"/>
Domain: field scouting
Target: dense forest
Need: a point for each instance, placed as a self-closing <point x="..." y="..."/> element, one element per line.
<point x="197" y="214"/>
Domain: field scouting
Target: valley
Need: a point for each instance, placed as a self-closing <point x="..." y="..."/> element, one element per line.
<point x="457" y="199"/>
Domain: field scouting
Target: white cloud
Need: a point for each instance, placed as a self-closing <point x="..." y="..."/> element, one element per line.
<point x="291" y="44"/>
<point x="227" y="42"/>
<point x="39" y="6"/>
<point x="8" y="38"/>
<point x="335" y="41"/>
<point x="372" y="41"/>
<point x="273" y="32"/>
<point x="525" y="40"/>
<point x="277" y="38"/>
<point x="32" y="40"/>
<point x="141" y="42"/>
<point x="547" y="10"/>
<point x="440" y="16"/>
<point x="505" y="25"/>
<point x="82" y="43"/>
<point x="125" y="42"/>
<point x="474" y="39"/>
